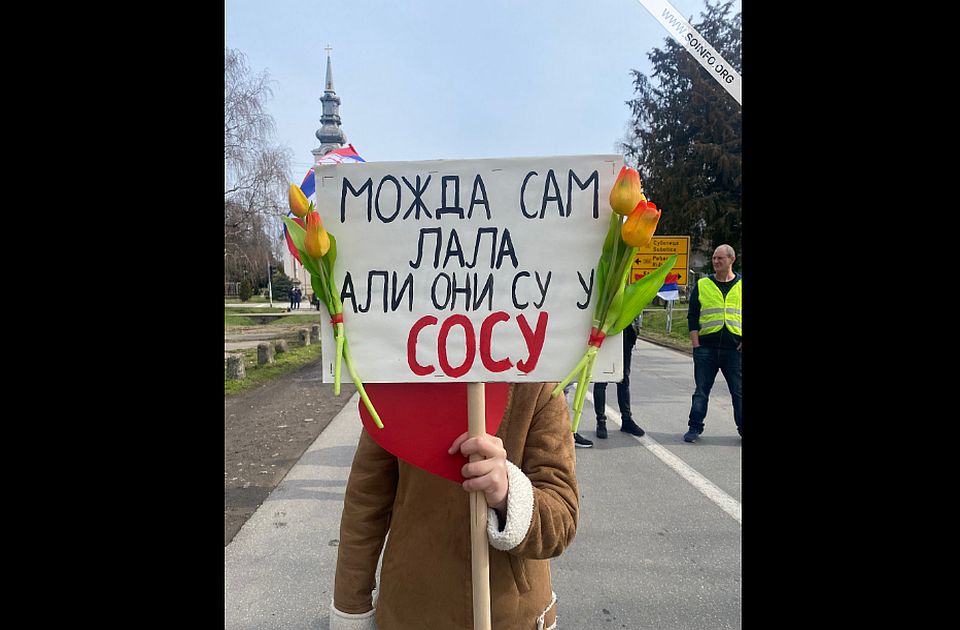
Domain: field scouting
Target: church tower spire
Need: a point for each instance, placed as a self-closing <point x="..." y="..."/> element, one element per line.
<point x="329" y="134"/>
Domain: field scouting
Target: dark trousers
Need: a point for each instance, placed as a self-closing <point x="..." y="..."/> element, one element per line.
<point x="706" y="363"/>
<point x="623" y="387"/>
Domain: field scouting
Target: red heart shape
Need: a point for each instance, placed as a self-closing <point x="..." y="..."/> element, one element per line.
<point x="421" y="421"/>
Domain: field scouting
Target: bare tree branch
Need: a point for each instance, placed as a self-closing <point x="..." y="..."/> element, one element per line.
<point x="255" y="171"/>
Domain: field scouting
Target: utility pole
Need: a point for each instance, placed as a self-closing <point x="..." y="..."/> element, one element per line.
<point x="270" y="283"/>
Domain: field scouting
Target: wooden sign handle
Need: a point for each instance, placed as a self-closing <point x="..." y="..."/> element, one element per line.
<point x="480" y="550"/>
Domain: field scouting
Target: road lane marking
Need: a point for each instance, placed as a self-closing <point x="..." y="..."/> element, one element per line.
<point x="709" y="489"/>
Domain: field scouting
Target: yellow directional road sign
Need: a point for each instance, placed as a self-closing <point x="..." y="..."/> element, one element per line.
<point x="649" y="258"/>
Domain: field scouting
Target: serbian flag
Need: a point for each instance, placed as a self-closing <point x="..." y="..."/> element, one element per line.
<point x="346" y="154"/>
<point x="309" y="186"/>
<point x="669" y="290"/>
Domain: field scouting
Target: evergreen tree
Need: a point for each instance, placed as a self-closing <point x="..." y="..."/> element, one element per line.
<point x="685" y="137"/>
<point x="281" y="285"/>
<point x="246" y="289"/>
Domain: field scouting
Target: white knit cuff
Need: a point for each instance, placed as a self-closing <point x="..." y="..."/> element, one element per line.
<point x="519" y="512"/>
<point x="340" y="620"/>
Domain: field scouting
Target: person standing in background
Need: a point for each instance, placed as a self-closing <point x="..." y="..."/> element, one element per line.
<point x="715" y="322"/>
<point x="623" y="391"/>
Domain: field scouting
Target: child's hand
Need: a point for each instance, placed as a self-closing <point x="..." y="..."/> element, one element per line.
<point x="487" y="475"/>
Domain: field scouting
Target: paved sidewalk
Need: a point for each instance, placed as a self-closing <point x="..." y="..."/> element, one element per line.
<point x="278" y="569"/>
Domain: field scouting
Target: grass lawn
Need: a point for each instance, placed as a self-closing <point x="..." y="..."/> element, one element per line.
<point x="654" y="328"/>
<point x="295" y="357"/>
<point x="235" y="310"/>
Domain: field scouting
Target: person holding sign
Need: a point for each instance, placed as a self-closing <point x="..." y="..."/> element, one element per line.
<point x="714" y="320"/>
<point x="528" y="474"/>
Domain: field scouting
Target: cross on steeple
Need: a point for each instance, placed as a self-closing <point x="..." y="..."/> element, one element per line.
<point x="329" y="134"/>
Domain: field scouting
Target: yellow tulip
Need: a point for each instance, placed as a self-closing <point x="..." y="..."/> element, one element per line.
<point x="317" y="241"/>
<point x="640" y="225"/>
<point x="626" y="191"/>
<point x="298" y="201"/>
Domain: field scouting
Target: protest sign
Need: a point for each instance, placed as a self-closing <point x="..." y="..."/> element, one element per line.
<point x="468" y="270"/>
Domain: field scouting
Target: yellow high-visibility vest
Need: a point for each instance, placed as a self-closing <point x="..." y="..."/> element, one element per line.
<point x="717" y="311"/>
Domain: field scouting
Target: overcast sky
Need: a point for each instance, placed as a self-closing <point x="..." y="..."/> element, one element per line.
<point x="444" y="79"/>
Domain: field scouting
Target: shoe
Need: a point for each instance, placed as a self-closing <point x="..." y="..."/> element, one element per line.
<point x="581" y="442"/>
<point x="691" y="436"/>
<point x="631" y="427"/>
<point x="602" y="429"/>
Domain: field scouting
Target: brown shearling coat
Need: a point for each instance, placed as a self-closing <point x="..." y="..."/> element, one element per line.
<point x="426" y="573"/>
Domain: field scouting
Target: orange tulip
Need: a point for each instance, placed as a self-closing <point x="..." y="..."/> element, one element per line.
<point x="626" y="191"/>
<point x="317" y="241"/>
<point x="298" y="201"/>
<point x="640" y="225"/>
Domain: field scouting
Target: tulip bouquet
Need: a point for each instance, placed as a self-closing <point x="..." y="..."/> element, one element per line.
<point x="618" y="304"/>
<point x="318" y="253"/>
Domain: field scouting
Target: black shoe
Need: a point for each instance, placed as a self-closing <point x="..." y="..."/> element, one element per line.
<point x="581" y="442"/>
<point x="602" y="429"/>
<point x="632" y="428"/>
<point x="691" y="436"/>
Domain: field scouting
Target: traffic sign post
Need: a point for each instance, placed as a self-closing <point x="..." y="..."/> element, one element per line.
<point x="660" y="248"/>
<point x="650" y="258"/>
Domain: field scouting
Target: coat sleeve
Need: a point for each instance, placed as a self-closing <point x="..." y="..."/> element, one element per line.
<point x="543" y="500"/>
<point x="367" y="508"/>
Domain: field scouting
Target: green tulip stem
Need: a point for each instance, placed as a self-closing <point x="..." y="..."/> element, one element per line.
<point x="333" y="308"/>
<point x="623" y="270"/>
<point x="582" y="383"/>
<point x="583" y="360"/>
<point x="581" y="393"/>
<point x="359" y="384"/>
<point x="341" y="339"/>
<point x="616" y="270"/>
<point x="603" y="299"/>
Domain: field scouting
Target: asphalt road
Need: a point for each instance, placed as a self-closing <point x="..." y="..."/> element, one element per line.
<point x="656" y="547"/>
<point x="658" y="544"/>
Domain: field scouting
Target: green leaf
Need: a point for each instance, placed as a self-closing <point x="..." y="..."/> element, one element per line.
<point x="297" y="233"/>
<point x="639" y="294"/>
<point x="616" y="307"/>
<point x="331" y="256"/>
<point x="317" y="285"/>
<point x="310" y="263"/>
<point x="613" y="234"/>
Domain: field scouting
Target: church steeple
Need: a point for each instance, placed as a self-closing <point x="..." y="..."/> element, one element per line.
<point x="329" y="134"/>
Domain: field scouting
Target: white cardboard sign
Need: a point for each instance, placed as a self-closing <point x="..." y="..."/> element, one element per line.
<point x="468" y="270"/>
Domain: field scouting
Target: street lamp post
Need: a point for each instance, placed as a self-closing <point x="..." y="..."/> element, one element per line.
<point x="270" y="283"/>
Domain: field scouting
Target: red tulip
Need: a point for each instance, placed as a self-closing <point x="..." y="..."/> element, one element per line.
<point x="641" y="224"/>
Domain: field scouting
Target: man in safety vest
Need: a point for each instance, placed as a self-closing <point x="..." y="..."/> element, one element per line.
<point x="714" y="321"/>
